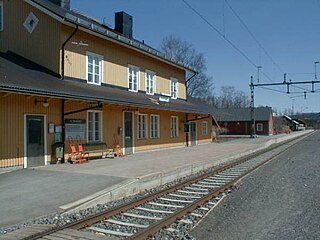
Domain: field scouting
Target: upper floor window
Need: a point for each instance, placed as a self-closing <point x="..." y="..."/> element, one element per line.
<point x="204" y="128"/>
<point x="1" y="15"/>
<point x="150" y="82"/>
<point x="94" y="68"/>
<point x="174" y="88"/>
<point x="155" y="126"/>
<point x="142" y="126"/>
<point x="94" y="126"/>
<point x="133" y="78"/>
<point x="174" y="126"/>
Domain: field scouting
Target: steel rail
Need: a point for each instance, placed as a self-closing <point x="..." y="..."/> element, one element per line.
<point x="156" y="227"/>
<point x="90" y="220"/>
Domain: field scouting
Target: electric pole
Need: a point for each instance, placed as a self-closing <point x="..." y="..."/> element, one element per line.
<point x="253" y="128"/>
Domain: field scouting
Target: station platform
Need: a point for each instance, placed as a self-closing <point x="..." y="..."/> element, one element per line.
<point x="30" y="193"/>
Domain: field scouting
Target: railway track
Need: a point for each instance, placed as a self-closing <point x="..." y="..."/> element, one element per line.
<point x="181" y="205"/>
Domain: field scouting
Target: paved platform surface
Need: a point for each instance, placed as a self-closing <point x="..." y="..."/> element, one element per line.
<point x="30" y="193"/>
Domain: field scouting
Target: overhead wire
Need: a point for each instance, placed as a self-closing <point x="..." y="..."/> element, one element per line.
<point x="300" y="88"/>
<point x="220" y="33"/>
<point x="226" y="39"/>
<point x="253" y="36"/>
<point x="272" y="89"/>
<point x="243" y="53"/>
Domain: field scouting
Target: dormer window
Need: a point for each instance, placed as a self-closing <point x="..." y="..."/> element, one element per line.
<point x="94" y="68"/>
<point x="174" y="88"/>
<point x="133" y="78"/>
<point x="1" y="16"/>
<point x="150" y="82"/>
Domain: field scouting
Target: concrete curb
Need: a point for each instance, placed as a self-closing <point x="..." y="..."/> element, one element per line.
<point x="134" y="186"/>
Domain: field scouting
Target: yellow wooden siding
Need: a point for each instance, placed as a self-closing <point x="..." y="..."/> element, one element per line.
<point x="12" y="110"/>
<point x="204" y="138"/>
<point x="165" y="139"/>
<point x="41" y="46"/>
<point x="116" y="61"/>
<point x="112" y="119"/>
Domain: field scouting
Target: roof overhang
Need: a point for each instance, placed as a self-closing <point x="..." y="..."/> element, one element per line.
<point x="67" y="18"/>
<point x="34" y="81"/>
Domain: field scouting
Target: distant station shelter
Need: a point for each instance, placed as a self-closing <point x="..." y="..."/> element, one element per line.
<point x="237" y="121"/>
<point x="66" y="77"/>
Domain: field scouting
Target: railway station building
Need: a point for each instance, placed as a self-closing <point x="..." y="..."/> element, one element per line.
<point x="65" y="76"/>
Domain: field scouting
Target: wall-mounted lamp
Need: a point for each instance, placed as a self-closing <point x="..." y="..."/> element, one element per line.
<point x="45" y="103"/>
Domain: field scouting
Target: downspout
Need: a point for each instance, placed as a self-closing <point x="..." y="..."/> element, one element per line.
<point x="63" y="50"/>
<point x="187" y="133"/>
<point x="186" y="83"/>
<point x="63" y="138"/>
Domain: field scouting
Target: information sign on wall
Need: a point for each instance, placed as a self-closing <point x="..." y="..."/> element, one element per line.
<point x="75" y="129"/>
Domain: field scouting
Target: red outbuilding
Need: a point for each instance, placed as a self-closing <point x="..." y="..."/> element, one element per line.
<point x="238" y="121"/>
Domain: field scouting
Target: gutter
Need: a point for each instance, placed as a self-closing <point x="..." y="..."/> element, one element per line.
<point x="63" y="49"/>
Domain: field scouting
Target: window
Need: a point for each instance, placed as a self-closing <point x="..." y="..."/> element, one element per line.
<point x="30" y="23"/>
<point x="1" y="16"/>
<point x="94" y="68"/>
<point x="174" y="126"/>
<point x="155" y="128"/>
<point x="259" y="127"/>
<point x="174" y="88"/>
<point x="204" y="128"/>
<point x="94" y="126"/>
<point x="133" y="78"/>
<point x="150" y="82"/>
<point x="142" y="126"/>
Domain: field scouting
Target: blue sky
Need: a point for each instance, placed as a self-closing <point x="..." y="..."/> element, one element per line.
<point x="288" y="30"/>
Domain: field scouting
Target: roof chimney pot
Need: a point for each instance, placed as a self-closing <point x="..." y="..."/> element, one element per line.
<point x="123" y="24"/>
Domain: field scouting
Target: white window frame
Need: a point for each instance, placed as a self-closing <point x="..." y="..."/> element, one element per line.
<point x="101" y="127"/>
<point x="204" y="128"/>
<point x="137" y="69"/>
<point x="174" y="126"/>
<point x="142" y="129"/>
<point x="100" y="58"/>
<point x="174" y="94"/>
<point x="259" y="127"/>
<point x="154" y="132"/>
<point x="1" y="16"/>
<point x="148" y="80"/>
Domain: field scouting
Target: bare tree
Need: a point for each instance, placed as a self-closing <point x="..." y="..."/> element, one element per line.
<point x="178" y="50"/>
<point x="241" y="100"/>
<point x="229" y="98"/>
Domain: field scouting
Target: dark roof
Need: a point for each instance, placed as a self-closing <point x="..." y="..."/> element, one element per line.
<point x="31" y="79"/>
<point x="242" y="114"/>
<point x="95" y="26"/>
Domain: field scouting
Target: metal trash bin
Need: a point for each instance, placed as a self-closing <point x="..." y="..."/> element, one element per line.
<point x="57" y="151"/>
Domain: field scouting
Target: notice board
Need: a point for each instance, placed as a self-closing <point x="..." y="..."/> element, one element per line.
<point x="75" y="128"/>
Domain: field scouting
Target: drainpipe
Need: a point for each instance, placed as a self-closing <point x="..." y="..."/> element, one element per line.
<point x="187" y="81"/>
<point x="63" y="50"/>
<point x="63" y="133"/>
<point x="187" y="133"/>
<point x="62" y="77"/>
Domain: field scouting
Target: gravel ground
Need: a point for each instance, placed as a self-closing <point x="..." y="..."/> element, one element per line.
<point x="281" y="200"/>
<point x="60" y="219"/>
